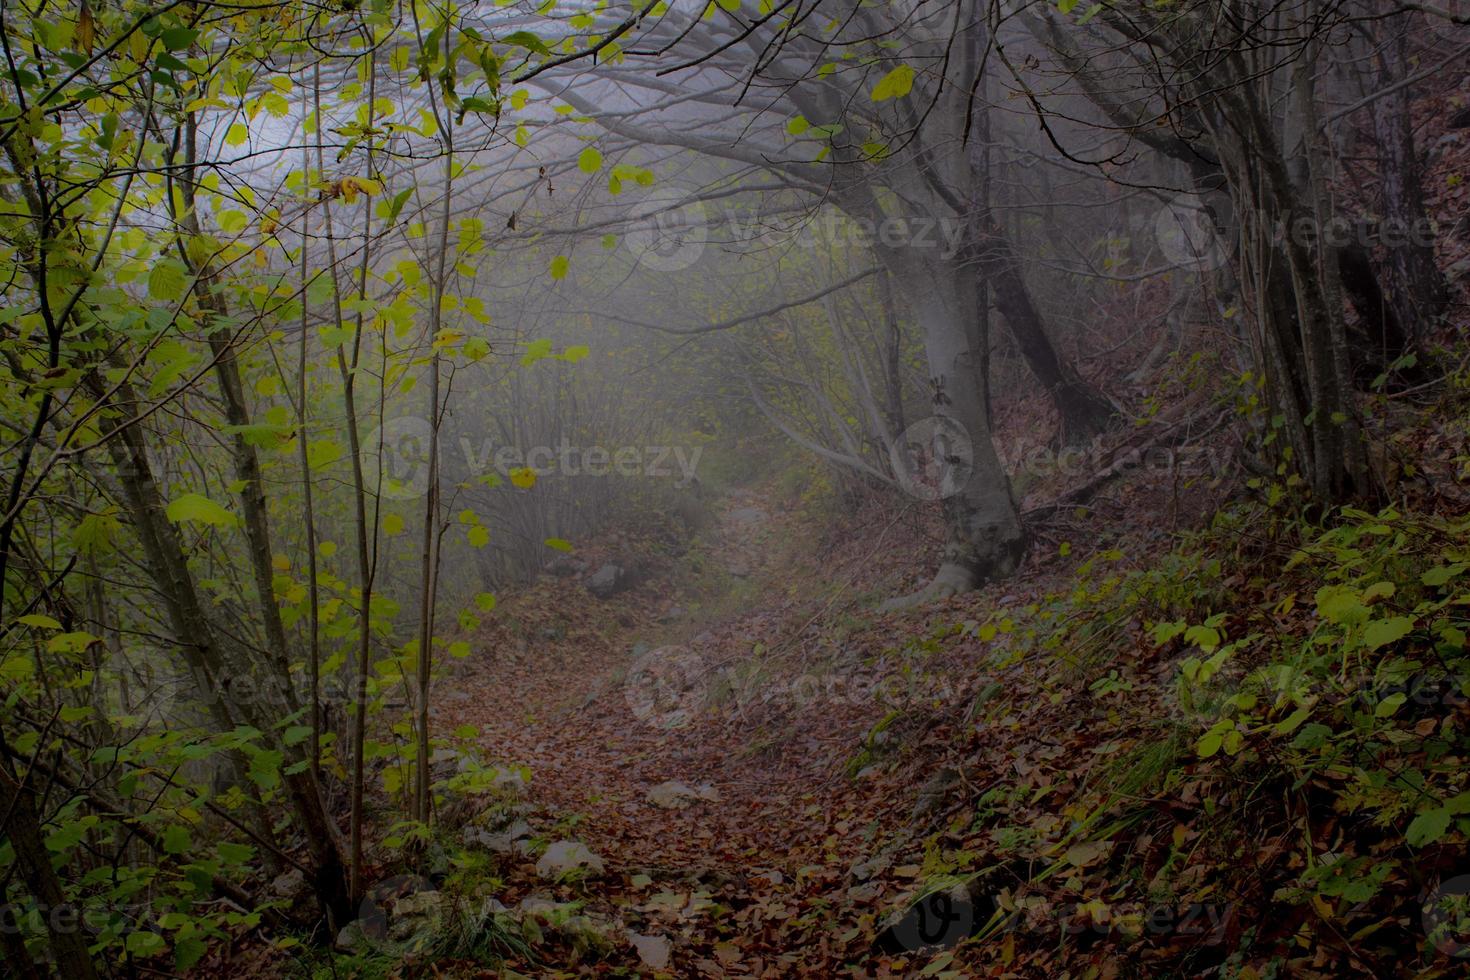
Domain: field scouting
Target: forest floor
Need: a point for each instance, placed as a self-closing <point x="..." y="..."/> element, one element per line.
<point x="741" y="859"/>
<point x="739" y="767"/>
<point x="768" y="772"/>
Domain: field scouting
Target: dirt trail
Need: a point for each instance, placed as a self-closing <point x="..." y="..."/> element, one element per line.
<point x="744" y="882"/>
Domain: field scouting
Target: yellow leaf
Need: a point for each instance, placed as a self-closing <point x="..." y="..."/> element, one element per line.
<point x="523" y="477"/>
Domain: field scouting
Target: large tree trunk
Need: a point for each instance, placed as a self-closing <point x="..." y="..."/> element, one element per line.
<point x="1416" y="290"/>
<point x="984" y="537"/>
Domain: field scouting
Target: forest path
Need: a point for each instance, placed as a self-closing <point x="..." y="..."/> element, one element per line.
<point x="742" y="872"/>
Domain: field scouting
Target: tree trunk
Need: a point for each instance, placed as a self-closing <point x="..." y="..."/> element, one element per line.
<point x="1416" y="290"/>
<point x="1083" y="410"/>
<point x="984" y="537"/>
<point x="195" y="636"/>
<point x="21" y="825"/>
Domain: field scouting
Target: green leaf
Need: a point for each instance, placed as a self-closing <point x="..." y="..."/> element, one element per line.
<point x="894" y="85"/>
<point x="478" y="537"/>
<point x="167" y="280"/>
<point x="232" y="222"/>
<point x="195" y="507"/>
<point x="39" y="622"/>
<point x="1428" y="827"/>
<point x="188" y="951"/>
<point x="1389" y="705"/>
<point x="559" y="267"/>
<point x="558" y="544"/>
<point x="1341" y="604"/>
<point x="144" y="943"/>
<point x="1381" y="632"/>
<point x="235" y="853"/>
<point x="265" y="768"/>
<point x="176" y="839"/>
<point x="589" y="161"/>
<point x="466" y="731"/>
<point x="1439" y="576"/>
<point x="70" y="642"/>
<point x="237" y="134"/>
<point x="178" y="38"/>
<point x="485" y="601"/>
<point x="797" y="125"/>
<point x="1292" y="721"/>
<point x="527" y="40"/>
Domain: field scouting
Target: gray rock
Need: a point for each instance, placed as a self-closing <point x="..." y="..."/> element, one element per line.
<point x="654" y="951"/>
<point x="564" y="856"/>
<point x="499" y="843"/>
<point x="607" y="581"/>
<point x="587" y="934"/>
<point x="747" y="515"/>
<point x="351" y="937"/>
<point x="674" y="795"/>
<point x="289" y="884"/>
<point x="416" y="919"/>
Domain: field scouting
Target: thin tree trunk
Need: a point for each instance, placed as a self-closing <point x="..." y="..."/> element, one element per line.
<point x="429" y="560"/>
<point x="196" y="637"/>
<point x="21" y="825"/>
<point x="1083" y="410"/>
<point x="1416" y="288"/>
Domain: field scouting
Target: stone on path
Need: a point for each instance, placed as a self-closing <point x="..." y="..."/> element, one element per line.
<point x="654" y="951"/>
<point x="674" y="795"/>
<point x="567" y="855"/>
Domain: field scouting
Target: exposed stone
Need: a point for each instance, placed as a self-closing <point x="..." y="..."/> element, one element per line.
<point x="607" y="581"/>
<point x="289" y="884"/>
<point x="674" y="795"/>
<point x="503" y="842"/>
<point x="565" y="856"/>
<point x="587" y="934"/>
<point x="654" y="951"/>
